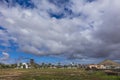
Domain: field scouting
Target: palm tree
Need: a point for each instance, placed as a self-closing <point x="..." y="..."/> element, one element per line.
<point x="59" y="65"/>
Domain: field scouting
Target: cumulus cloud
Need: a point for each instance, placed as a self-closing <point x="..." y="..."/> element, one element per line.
<point x="5" y="56"/>
<point x="77" y="29"/>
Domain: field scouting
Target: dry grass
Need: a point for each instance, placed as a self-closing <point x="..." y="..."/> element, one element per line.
<point x="53" y="74"/>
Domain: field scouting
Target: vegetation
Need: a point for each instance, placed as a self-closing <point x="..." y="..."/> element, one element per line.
<point x="6" y="66"/>
<point x="54" y="74"/>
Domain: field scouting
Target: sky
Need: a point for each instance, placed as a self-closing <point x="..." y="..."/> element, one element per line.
<point x="52" y="31"/>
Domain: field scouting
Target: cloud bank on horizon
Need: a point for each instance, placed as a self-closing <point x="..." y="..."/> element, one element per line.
<point x="74" y="28"/>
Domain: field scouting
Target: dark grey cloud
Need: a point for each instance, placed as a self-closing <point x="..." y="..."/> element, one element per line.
<point x="108" y="32"/>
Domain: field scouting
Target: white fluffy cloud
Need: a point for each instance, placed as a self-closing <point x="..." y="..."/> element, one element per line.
<point x="5" y="56"/>
<point x="91" y="30"/>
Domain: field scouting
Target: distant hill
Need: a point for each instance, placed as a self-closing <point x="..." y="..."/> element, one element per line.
<point x="109" y="62"/>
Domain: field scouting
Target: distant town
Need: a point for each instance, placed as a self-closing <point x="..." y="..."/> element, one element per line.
<point x="106" y="64"/>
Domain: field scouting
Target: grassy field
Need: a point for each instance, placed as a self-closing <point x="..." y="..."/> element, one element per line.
<point x="53" y="74"/>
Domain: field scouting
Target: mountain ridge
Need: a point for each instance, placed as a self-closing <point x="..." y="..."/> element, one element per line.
<point x="109" y="62"/>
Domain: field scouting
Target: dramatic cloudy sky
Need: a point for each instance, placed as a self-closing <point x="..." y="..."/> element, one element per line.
<point x="82" y="30"/>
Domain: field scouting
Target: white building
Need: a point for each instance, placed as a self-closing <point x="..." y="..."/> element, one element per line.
<point x="23" y="66"/>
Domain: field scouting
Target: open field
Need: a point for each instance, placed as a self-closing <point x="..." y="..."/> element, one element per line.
<point x="54" y="74"/>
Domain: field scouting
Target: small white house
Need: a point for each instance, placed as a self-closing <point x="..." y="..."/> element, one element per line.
<point x="24" y="65"/>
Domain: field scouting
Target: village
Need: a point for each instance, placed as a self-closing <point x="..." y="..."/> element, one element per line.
<point x="106" y="64"/>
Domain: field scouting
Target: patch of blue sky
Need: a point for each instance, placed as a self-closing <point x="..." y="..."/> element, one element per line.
<point x="63" y="5"/>
<point x="90" y="0"/>
<point x="2" y="28"/>
<point x="2" y="48"/>
<point x="14" y="46"/>
<point x="59" y="2"/>
<point x="25" y="3"/>
<point x="25" y="57"/>
<point x="63" y="14"/>
<point x="21" y="56"/>
<point x="22" y="3"/>
<point x="56" y="15"/>
<point x="50" y="59"/>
